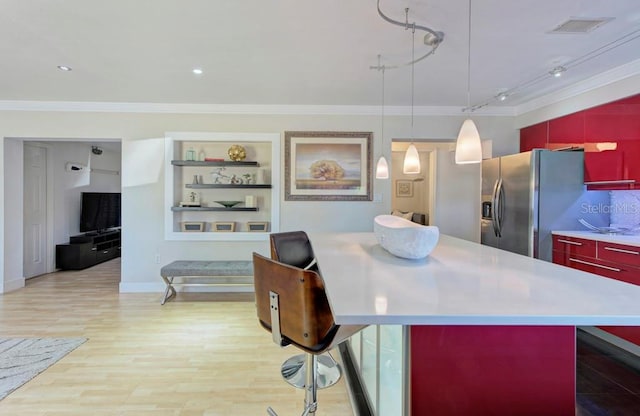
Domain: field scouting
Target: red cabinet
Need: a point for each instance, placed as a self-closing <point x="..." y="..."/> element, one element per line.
<point x="612" y="260"/>
<point x="534" y="137"/>
<point x="567" y="129"/>
<point x="617" y="122"/>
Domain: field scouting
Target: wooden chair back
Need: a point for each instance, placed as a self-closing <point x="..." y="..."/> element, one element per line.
<point x="305" y="316"/>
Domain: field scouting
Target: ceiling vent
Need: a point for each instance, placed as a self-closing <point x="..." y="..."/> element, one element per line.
<point x="580" y="25"/>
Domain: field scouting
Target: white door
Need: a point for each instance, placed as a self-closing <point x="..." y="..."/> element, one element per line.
<point x="35" y="210"/>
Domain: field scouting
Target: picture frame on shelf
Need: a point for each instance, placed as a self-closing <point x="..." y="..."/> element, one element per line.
<point x="328" y="166"/>
<point x="404" y="188"/>
<point x="193" y="226"/>
<point x="257" y="226"/>
<point x="228" y="226"/>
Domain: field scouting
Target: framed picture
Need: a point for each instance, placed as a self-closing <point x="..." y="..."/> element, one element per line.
<point x="192" y="226"/>
<point x="327" y="166"/>
<point x="224" y="226"/>
<point x="257" y="226"/>
<point x="404" y="189"/>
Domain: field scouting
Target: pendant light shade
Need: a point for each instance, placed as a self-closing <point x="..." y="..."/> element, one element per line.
<point x="468" y="146"/>
<point x="382" y="169"/>
<point x="411" y="161"/>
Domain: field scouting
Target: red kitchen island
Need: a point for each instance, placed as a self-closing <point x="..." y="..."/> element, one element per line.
<point x="483" y="331"/>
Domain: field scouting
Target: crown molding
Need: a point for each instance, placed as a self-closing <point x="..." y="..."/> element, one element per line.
<point x="597" y="81"/>
<point x="242" y="109"/>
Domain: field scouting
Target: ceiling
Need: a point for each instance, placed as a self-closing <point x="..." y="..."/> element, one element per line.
<point x="303" y="52"/>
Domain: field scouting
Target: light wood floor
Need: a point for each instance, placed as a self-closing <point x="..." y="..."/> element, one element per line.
<point x="199" y="354"/>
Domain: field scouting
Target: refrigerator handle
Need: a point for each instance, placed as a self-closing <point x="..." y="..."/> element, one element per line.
<point x="494" y="204"/>
<point x="501" y="207"/>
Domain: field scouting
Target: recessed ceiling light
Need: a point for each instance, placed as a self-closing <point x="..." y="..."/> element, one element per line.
<point x="197" y="71"/>
<point x="64" y="68"/>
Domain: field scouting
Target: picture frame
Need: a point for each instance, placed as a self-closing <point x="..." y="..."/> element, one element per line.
<point x="404" y="188"/>
<point x="328" y="166"/>
<point x="226" y="226"/>
<point x="192" y="226"/>
<point x="257" y="226"/>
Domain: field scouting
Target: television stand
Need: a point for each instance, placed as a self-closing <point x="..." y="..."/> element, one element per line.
<point x="89" y="249"/>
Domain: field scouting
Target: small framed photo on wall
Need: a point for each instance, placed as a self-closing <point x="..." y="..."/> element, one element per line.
<point x="404" y="189"/>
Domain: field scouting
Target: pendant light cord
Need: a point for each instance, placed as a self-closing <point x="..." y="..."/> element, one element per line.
<point x="382" y="112"/>
<point x="469" y="63"/>
<point x="413" y="54"/>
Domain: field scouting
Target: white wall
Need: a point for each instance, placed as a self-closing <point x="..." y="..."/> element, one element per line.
<point x="455" y="196"/>
<point x="144" y="247"/>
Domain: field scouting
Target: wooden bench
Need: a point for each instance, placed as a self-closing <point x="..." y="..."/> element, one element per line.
<point x="205" y="273"/>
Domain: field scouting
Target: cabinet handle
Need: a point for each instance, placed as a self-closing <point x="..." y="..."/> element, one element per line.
<point x="619" y="250"/>
<point x="94" y="249"/>
<point x="621" y="181"/>
<point x="613" y="269"/>
<point x="573" y="243"/>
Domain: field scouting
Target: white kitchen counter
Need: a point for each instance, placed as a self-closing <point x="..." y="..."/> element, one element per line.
<point x="632" y="240"/>
<point x="464" y="283"/>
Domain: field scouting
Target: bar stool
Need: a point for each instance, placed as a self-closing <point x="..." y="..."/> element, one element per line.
<point x="294" y="248"/>
<point x="292" y="304"/>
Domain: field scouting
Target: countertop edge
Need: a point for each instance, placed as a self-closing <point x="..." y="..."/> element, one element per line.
<point x="631" y="240"/>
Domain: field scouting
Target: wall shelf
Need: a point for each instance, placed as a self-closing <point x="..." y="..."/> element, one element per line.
<point x="178" y="209"/>
<point x="225" y="186"/>
<point x="211" y="163"/>
<point x="263" y="150"/>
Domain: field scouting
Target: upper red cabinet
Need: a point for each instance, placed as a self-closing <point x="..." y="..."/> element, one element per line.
<point x="534" y="137"/>
<point x="568" y="129"/>
<point x="618" y="125"/>
<point x="614" y="122"/>
<point x="610" y="135"/>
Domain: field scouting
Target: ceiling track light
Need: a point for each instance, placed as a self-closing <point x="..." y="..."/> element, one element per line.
<point x="432" y="38"/>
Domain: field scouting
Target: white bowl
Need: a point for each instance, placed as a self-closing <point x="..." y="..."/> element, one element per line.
<point x="404" y="238"/>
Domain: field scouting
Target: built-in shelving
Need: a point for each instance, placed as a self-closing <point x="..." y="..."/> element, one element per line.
<point x="185" y="180"/>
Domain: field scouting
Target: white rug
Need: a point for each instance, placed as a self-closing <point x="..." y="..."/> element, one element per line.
<point x="21" y="359"/>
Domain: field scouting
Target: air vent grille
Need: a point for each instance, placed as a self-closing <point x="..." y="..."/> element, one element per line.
<point x="580" y="25"/>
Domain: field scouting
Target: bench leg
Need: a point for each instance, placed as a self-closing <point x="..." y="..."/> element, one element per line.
<point x="169" y="291"/>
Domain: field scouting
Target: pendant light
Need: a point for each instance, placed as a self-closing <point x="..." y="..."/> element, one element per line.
<point x="468" y="146"/>
<point x="411" y="163"/>
<point x="382" y="168"/>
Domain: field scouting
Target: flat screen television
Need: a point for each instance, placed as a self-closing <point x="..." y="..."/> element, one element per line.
<point x="99" y="211"/>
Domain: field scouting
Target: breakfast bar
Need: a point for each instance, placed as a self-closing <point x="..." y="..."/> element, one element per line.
<point x="487" y="332"/>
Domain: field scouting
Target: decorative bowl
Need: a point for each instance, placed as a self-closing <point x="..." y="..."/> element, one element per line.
<point x="228" y="204"/>
<point x="404" y="238"/>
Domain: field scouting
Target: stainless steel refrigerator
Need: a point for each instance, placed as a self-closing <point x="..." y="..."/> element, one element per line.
<point x="526" y="196"/>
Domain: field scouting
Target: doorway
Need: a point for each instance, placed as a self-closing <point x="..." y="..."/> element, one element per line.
<point x="51" y="193"/>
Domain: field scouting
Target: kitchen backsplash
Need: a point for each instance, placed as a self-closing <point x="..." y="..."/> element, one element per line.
<point x="625" y="208"/>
